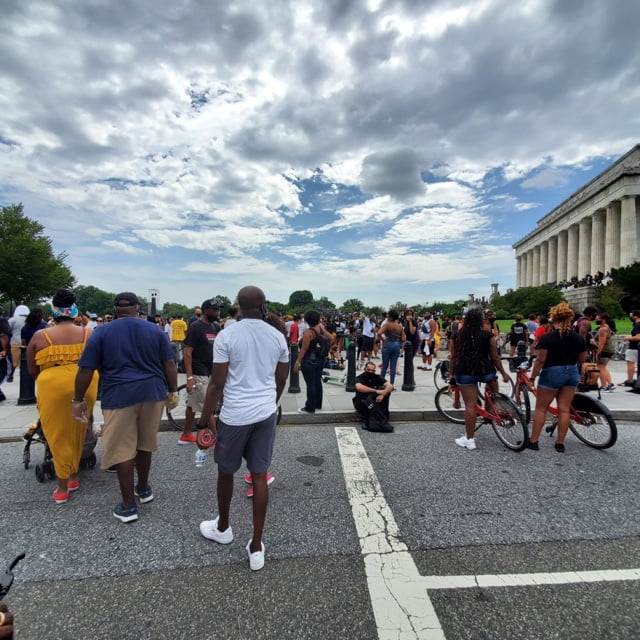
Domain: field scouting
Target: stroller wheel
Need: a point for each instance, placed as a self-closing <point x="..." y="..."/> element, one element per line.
<point x="26" y="459"/>
<point x="91" y="461"/>
<point x="50" y="470"/>
<point x="39" y="473"/>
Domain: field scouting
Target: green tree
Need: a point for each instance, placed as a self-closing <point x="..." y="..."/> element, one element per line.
<point x="324" y="303"/>
<point x="301" y="298"/>
<point x="351" y="305"/>
<point x="611" y="298"/>
<point x="628" y="279"/>
<point x="30" y="269"/>
<point x="94" y="300"/>
<point x="172" y="309"/>
<point x="526" y="300"/>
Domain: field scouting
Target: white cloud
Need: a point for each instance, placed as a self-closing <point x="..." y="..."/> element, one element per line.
<point x="281" y="135"/>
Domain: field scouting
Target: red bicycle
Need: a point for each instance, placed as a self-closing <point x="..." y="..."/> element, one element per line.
<point x="589" y="419"/>
<point x="497" y="409"/>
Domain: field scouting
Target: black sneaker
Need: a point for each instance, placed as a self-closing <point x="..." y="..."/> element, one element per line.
<point x="534" y="446"/>
<point x="559" y="447"/>
<point x="2" y="397"/>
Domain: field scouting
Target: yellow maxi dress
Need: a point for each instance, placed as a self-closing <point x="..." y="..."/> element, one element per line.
<point x="65" y="436"/>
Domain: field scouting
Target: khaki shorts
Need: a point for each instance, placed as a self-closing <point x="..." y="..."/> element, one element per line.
<point x="195" y="400"/>
<point x="129" y="430"/>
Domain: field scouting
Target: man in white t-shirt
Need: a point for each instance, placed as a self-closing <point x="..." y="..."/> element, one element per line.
<point x="251" y="365"/>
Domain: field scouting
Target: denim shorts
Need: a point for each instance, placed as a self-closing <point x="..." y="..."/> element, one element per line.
<point x="466" y="380"/>
<point x="564" y="375"/>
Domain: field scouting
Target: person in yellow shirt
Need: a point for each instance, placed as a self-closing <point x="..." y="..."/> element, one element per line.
<point x="178" y="334"/>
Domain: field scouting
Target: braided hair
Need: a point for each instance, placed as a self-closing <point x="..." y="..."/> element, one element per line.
<point x="467" y="349"/>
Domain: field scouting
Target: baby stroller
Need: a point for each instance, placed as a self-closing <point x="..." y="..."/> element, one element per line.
<point x="35" y="435"/>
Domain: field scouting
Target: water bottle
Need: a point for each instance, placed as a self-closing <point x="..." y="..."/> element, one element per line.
<point x="201" y="457"/>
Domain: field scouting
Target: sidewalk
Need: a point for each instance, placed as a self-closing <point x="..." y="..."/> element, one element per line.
<point x="417" y="405"/>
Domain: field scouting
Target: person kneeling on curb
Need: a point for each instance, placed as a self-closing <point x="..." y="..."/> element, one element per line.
<point x="372" y="399"/>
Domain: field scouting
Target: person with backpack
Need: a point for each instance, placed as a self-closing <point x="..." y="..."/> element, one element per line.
<point x="316" y="344"/>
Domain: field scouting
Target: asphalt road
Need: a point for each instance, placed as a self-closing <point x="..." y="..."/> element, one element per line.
<point x="559" y="532"/>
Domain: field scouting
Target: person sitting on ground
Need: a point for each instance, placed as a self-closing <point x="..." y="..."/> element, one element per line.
<point x="372" y="399"/>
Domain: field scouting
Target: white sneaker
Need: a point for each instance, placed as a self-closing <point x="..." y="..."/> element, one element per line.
<point x="256" y="559"/>
<point x="465" y="443"/>
<point x="209" y="529"/>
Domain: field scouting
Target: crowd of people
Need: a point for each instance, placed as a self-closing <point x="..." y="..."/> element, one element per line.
<point x="246" y="355"/>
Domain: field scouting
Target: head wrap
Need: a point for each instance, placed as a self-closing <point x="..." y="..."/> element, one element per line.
<point x="65" y="312"/>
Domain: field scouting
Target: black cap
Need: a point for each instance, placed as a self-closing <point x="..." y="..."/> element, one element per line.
<point x="211" y="303"/>
<point x="126" y="299"/>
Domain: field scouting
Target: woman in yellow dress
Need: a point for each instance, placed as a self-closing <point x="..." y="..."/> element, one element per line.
<point x="52" y="358"/>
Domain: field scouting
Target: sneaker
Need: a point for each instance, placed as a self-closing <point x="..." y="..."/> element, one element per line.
<point x="209" y="529"/>
<point x="112" y="469"/>
<point x="60" y="497"/>
<point x="429" y="369"/>
<point x="534" y="446"/>
<point x="466" y="443"/>
<point x="304" y="410"/>
<point x="627" y="383"/>
<point x="188" y="439"/>
<point x="126" y="514"/>
<point x="611" y="387"/>
<point x="249" y="480"/>
<point x="2" y="397"/>
<point x="73" y="485"/>
<point x="559" y="447"/>
<point x="256" y="559"/>
<point x="144" y="495"/>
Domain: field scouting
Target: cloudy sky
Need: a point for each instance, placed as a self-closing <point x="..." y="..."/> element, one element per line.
<point x="384" y="150"/>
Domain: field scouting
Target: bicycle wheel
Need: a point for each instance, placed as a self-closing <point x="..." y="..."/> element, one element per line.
<point x="441" y="374"/>
<point x="598" y="430"/>
<point x="509" y="425"/>
<point x="450" y="405"/>
<point x="507" y="388"/>
<point x="523" y="402"/>
<point x="175" y="416"/>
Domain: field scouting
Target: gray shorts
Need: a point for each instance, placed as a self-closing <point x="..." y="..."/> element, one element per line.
<point x="253" y="442"/>
<point x="631" y="355"/>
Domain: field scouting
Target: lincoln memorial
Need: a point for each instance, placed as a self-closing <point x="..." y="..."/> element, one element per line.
<point x="596" y="229"/>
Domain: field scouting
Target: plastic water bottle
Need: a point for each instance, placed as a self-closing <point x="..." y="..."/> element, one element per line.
<point x="201" y="457"/>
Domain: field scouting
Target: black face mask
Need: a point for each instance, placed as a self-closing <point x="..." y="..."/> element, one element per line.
<point x="369" y="377"/>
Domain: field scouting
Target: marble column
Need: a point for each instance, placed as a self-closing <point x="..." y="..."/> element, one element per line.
<point x="598" y="230"/>
<point x="535" y="282"/>
<point x="628" y="231"/>
<point x="572" y="252"/>
<point x="584" y="248"/>
<point x="544" y="259"/>
<point x="529" y="278"/>
<point x="612" y="239"/>
<point x="552" y="260"/>
<point x="561" y="267"/>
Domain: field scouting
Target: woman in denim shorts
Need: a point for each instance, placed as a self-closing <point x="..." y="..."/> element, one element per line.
<point x="474" y="359"/>
<point x="559" y="353"/>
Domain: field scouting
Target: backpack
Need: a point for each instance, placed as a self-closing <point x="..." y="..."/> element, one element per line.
<point x="589" y="376"/>
<point x="321" y="345"/>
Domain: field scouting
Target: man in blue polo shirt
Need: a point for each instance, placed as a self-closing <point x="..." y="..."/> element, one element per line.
<point x="137" y="368"/>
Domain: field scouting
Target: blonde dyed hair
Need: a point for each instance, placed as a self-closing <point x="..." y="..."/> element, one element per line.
<point x="562" y="316"/>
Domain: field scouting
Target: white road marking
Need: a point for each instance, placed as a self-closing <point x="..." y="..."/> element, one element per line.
<point x="401" y="607"/>
<point x="399" y="597"/>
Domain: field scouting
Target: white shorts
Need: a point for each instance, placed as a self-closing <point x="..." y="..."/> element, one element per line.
<point x="631" y="355"/>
